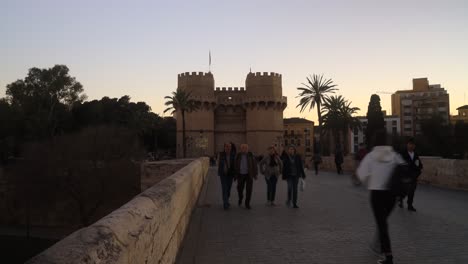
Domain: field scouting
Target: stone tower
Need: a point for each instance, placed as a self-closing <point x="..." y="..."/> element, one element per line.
<point x="264" y="105"/>
<point x="252" y="115"/>
<point x="199" y="125"/>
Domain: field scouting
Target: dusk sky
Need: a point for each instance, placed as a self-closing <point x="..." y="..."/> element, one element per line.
<point x="137" y="48"/>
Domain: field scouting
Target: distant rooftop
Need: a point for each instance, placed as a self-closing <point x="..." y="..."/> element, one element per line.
<point x="296" y="120"/>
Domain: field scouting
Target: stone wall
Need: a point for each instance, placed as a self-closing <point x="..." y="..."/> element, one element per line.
<point x="148" y="229"/>
<point x="449" y="173"/>
<point x="437" y="171"/>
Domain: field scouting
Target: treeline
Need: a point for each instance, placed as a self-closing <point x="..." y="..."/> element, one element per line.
<point x="444" y="140"/>
<point x="50" y="102"/>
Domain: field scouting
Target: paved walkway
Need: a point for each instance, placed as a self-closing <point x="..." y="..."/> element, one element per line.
<point x="333" y="225"/>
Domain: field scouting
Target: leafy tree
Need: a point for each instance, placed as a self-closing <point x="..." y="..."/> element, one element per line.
<point x="375" y="118"/>
<point x="87" y="174"/>
<point x="43" y="97"/>
<point x="180" y="101"/>
<point x="313" y="94"/>
<point x="435" y="138"/>
<point x="461" y="140"/>
<point x="123" y="112"/>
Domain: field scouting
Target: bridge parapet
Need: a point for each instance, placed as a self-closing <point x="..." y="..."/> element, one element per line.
<point x="148" y="229"/>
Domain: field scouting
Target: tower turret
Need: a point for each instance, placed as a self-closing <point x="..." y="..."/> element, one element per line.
<point x="199" y="124"/>
<point x="264" y="105"/>
<point x="201" y="84"/>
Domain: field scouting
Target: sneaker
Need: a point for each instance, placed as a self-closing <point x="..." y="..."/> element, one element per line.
<point x="411" y="208"/>
<point x="295" y="206"/>
<point x="248" y="206"/>
<point x="386" y="260"/>
<point x="375" y="249"/>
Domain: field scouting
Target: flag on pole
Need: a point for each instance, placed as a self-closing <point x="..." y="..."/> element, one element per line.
<point x="209" y="60"/>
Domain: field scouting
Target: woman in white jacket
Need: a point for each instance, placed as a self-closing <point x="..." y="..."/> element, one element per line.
<point x="376" y="169"/>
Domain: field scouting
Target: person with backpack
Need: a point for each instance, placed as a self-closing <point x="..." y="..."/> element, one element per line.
<point x="377" y="169"/>
<point x="271" y="167"/>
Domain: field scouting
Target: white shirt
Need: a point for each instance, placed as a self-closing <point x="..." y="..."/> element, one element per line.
<point x="411" y="154"/>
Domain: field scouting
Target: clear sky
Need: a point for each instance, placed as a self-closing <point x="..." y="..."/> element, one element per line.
<point x="137" y="48"/>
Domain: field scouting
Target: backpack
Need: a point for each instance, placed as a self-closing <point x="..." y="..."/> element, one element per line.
<point x="399" y="180"/>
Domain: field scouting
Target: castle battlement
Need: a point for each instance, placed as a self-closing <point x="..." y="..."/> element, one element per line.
<point x="188" y="74"/>
<point x="264" y="74"/>
<point x="230" y="89"/>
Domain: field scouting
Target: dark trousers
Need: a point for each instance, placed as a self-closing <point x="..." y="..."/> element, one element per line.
<point x="244" y="181"/>
<point x="316" y="166"/>
<point x="226" y="184"/>
<point x="338" y="168"/>
<point x="271" y="187"/>
<point x="410" y="189"/>
<point x="382" y="203"/>
<point x="292" y="189"/>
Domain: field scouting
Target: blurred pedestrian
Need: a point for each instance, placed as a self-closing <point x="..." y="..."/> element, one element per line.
<point x="377" y="169"/>
<point x="359" y="156"/>
<point x="339" y="159"/>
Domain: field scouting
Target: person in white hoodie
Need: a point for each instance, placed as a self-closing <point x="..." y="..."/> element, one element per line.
<point x="377" y="169"/>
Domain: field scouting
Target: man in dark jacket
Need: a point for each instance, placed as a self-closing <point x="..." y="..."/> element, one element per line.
<point x="338" y="159"/>
<point x="226" y="172"/>
<point x="246" y="171"/>
<point x="293" y="169"/>
<point x="414" y="170"/>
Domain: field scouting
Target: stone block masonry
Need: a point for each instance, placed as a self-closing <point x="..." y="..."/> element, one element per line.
<point x="448" y="173"/>
<point x="148" y="229"/>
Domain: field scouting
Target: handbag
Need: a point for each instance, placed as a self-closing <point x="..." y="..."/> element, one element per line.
<point x="302" y="184"/>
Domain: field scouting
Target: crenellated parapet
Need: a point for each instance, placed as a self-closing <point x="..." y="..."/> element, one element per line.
<point x="230" y="89"/>
<point x="200" y="84"/>
<point x="264" y="84"/>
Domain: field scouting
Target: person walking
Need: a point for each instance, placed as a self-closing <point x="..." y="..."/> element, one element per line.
<point x="415" y="167"/>
<point x="226" y="172"/>
<point x="246" y="172"/>
<point x="271" y="167"/>
<point x="317" y="159"/>
<point x="359" y="156"/>
<point x="293" y="169"/>
<point x="338" y="159"/>
<point x="377" y="170"/>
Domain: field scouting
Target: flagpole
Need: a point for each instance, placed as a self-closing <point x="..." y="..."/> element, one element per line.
<point x="209" y="60"/>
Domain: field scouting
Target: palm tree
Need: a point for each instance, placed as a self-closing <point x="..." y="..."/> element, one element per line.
<point x="180" y="101"/>
<point x="332" y="118"/>
<point x="313" y="93"/>
<point x="338" y="117"/>
<point x="350" y="122"/>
